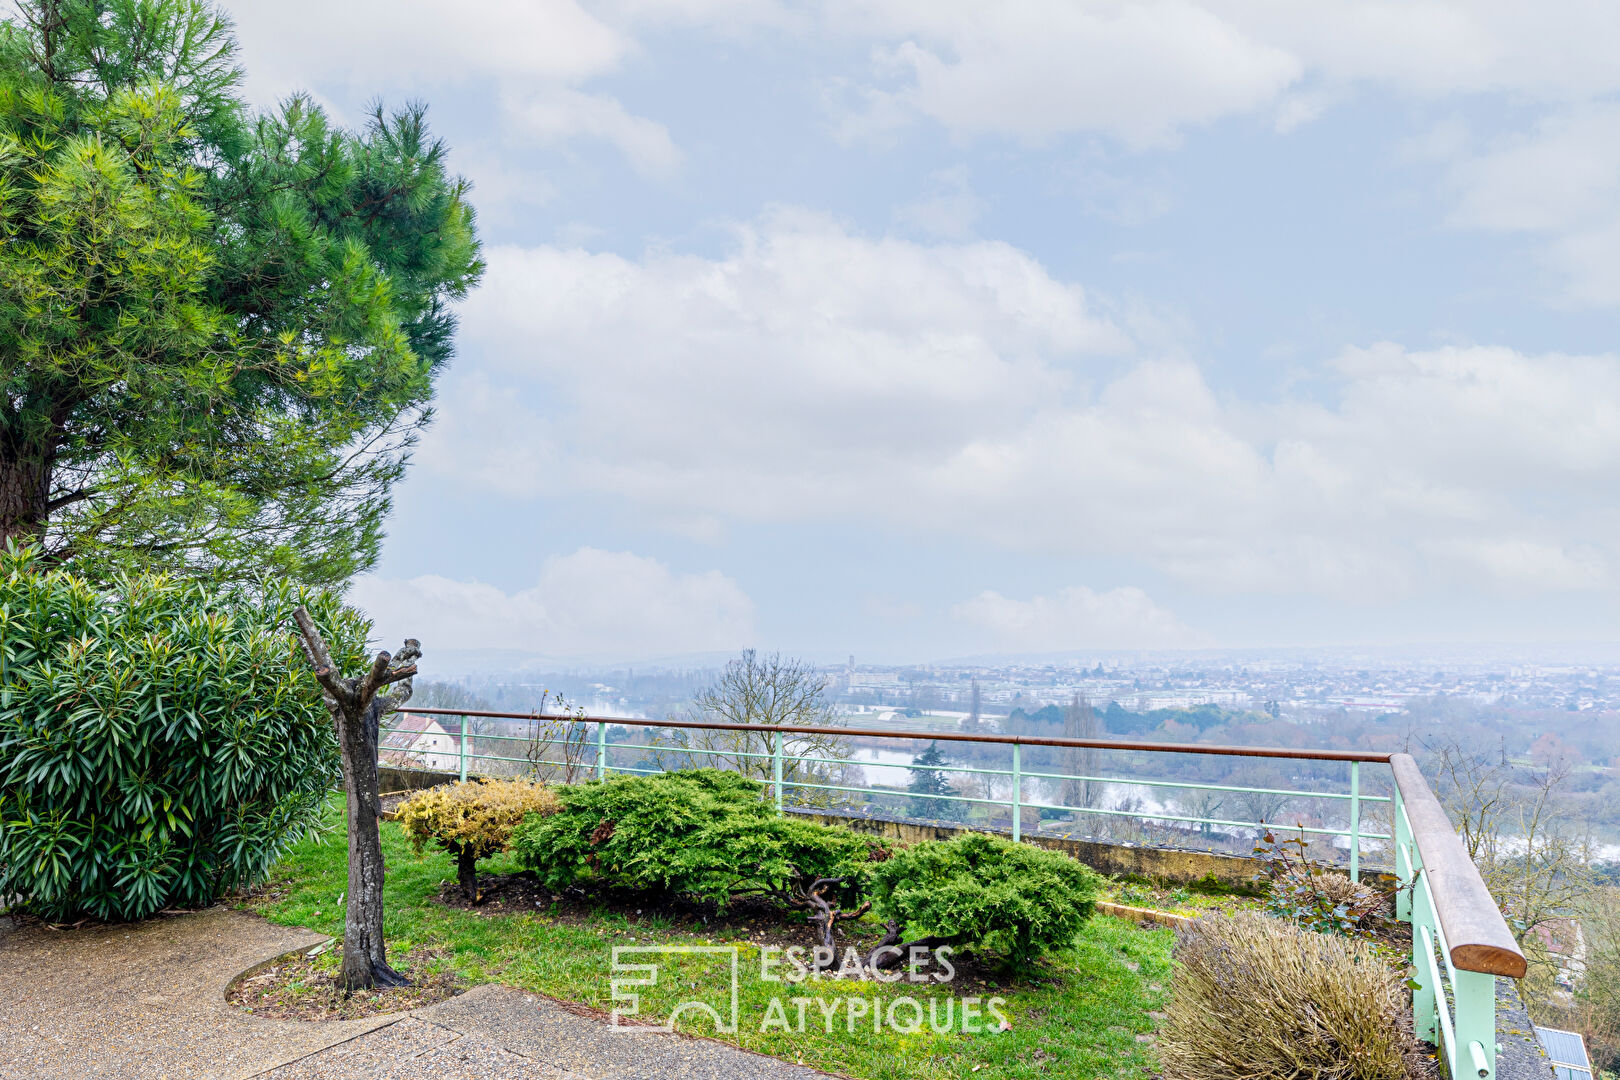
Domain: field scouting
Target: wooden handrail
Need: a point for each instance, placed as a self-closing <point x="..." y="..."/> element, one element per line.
<point x="1475" y="930"/>
<point x="942" y="736"/>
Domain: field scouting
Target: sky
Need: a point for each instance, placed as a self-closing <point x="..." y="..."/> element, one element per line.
<point x="912" y="329"/>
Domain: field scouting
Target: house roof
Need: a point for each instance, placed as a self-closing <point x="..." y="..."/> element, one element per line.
<point x="408" y="728"/>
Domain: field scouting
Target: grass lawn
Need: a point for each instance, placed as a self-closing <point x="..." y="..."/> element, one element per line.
<point x="1080" y="1016"/>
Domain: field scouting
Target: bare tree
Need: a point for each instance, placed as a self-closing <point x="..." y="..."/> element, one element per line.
<point x="1201" y="803"/>
<point x="1080" y="722"/>
<point x="1596" y="1007"/>
<point x="1535" y="858"/>
<point x="975" y="706"/>
<point x="769" y="691"/>
<point x="1477" y="790"/>
<point x="357" y="710"/>
<point x="556" y="747"/>
<point x="1261" y="805"/>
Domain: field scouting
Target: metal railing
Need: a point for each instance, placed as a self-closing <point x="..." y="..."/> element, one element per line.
<point x="1440" y="892"/>
<point x="1454" y="919"/>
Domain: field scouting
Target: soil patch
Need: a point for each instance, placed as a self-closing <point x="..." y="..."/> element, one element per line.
<point x="304" y="987"/>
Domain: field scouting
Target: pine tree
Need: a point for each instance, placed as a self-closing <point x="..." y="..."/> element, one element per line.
<point x="928" y="784"/>
<point x="219" y="329"/>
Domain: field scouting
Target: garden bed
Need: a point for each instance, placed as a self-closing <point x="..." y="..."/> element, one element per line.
<point x="1085" y="1011"/>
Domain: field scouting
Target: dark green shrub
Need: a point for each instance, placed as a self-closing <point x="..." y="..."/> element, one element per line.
<point x="160" y="742"/>
<point x="703" y="833"/>
<point x="1260" y="998"/>
<point x="1015" y="899"/>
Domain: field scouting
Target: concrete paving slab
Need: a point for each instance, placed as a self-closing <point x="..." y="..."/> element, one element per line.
<point x="146" y="1001"/>
<point x="414" y="1049"/>
<point x="540" y="1028"/>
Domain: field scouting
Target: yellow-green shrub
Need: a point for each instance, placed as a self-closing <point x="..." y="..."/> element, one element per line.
<point x="472" y="820"/>
<point x="1260" y="998"/>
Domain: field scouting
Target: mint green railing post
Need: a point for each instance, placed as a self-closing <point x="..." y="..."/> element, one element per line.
<point x="1423" y="994"/>
<point x="1405" y="860"/>
<point x="1473" y="1017"/>
<point x="1017" y="795"/>
<point x="601" y="749"/>
<point x="776" y="769"/>
<point x="1355" y="821"/>
<point x="463" y="742"/>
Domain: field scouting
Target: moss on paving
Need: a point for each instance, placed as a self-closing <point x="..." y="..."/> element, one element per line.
<point x="1086" y="1013"/>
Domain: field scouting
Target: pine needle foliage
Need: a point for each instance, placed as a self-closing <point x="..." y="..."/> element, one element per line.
<point x="160" y="740"/>
<point x="701" y="833"/>
<point x="219" y="327"/>
<point x="1016" y="899"/>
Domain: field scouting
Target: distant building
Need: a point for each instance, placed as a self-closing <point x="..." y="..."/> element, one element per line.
<point x="420" y="742"/>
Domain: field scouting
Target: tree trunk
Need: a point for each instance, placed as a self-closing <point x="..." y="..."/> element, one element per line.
<point x="25" y="488"/>
<point x="357" y="711"/>
<point x="467" y="872"/>
<point x="365" y="963"/>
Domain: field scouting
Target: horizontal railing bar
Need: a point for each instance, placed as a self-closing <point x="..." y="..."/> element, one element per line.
<point x="1199" y="787"/>
<point x="893" y="791"/>
<point x="943" y="736"/>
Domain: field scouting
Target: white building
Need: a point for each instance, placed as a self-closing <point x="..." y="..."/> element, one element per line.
<point x="421" y="742"/>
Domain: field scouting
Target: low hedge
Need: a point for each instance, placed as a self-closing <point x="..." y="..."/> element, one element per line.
<point x="1016" y="899"/>
<point x="161" y="742"/>
<point x="702" y="833"/>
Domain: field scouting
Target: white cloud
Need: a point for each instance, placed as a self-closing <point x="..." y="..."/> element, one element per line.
<point x="813" y="374"/>
<point x="1560" y="183"/>
<point x="535" y="53"/>
<point x="1076" y="618"/>
<point x="558" y="115"/>
<point x="589" y="605"/>
<point x="1145" y="70"/>
<point x="1139" y="72"/>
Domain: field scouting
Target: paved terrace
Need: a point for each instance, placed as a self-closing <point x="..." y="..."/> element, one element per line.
<point x="147" y="1002"/>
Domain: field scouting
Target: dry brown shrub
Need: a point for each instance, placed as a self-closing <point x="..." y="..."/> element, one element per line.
<point x="472" y="819"/>
<point x="1258" y="998"/>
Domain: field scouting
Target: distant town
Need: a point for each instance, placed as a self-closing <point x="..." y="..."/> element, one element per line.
<point x="1303" y="689"/>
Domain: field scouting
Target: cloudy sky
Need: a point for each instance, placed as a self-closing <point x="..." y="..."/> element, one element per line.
<point x="917" y="328"/>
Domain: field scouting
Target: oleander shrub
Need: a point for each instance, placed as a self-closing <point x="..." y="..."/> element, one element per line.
<point x="1016" y="899"/>
<point x="472" y="820"/>
<point x="1261" y="998"/>
<point x="161" y="741"/>
<point x="701" y="833"/>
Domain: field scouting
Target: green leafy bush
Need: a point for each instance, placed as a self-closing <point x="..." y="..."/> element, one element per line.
<point x="160" y="742"/>
<point x="472" y="820"/>
<point x="1261" y="998"/>
<point x="1017" y="899"/>
<point x="703" y="833"/>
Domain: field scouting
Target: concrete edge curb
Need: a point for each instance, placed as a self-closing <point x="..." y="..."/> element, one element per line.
<point x="1159" y="918"/>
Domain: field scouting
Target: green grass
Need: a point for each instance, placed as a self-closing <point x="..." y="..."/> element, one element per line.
<point x="1080" y="1016"/>
<point x="1177" y="901"/>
